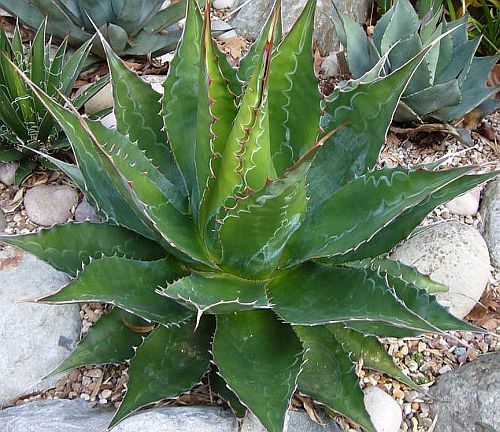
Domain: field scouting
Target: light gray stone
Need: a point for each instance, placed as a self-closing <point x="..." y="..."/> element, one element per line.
<point x="385" y="412"/>
<point x="490" y="211"/>
<point x="3" y="223"/>
<point x="250" y="19"/>
<point x="77" y="416"/>
<point x="34" y="338"/>
<point x="330" y="65"/>
<point x="85" y="212"/>
<point x="102" y="100"/>
<point x="454" y="254"/>
<point x="466" y="204"/>
<point x="49" y="205"/>
<point x="468" y="395"/>
<point x="295" y="422"/>
<point x="223" y="4"/>
<point x="156" y="81"/>
<point x="8" y="172"/>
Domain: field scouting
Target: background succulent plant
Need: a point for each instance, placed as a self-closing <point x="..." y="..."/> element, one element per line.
<point x="447" y="85"/>
<point x="24" y="121"/>
<point x="131" y="27"/>
<point x="241" y="245"/>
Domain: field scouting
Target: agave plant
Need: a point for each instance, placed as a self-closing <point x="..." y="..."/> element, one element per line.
<point x="131" y="27"/>
<point x="447" y="85"/>
<point x="250" y="251"/>
<point x="25" y="124"/>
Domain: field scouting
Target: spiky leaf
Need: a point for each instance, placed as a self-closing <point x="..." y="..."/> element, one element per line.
<point x="269" y="353"/>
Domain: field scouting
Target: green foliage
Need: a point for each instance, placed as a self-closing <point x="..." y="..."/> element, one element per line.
<point x="245" y="246"/>
<point x="131" y="27"/>
<point x="447" y="85"/>
<point x="24" y="121"/>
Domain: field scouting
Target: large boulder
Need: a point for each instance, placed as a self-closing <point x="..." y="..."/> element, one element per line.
<point x="34" y="338"/>
<point x="468" y="395"/>
<point x="454" y="254"/>
<point x="490" y="211"/>
<point x="249" y="20"/>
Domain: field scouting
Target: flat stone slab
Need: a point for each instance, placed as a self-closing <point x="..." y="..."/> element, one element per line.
<point x="78" y="416"/>
<point x="34" y="338"/>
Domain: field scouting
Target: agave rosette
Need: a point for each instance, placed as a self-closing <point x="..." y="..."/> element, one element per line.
<point x="247" y="228"/>
<point x="447" y="85"/>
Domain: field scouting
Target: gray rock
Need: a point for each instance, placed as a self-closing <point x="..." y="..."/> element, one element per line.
<point x="490" y="211"/>
<point x="50" y="205"/>
<point x="385" y="412"/>
<point x="330" y="65"/>
<point x="467" y="204"/>
<point x="223" y="4"/>
<point x="156" y="81"/>
<point x="35" y="338"/>
<point x="8" y="172"/>
<point x="3" y="223"/>
<point x="102" y="100"/>
<point x="295" y="422"/>
<point x="454" y="254"/>
<point x="250" y="18"/>
<point x="85" y="212"/>
<point x="77" y="416"/>
<point x="468" y="395"/>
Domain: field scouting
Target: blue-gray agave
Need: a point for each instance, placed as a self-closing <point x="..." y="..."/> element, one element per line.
<point x="447" y="85"/>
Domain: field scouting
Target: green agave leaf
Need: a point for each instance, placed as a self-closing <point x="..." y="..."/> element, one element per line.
<point x="10" y="117"/>
<point x="9" y="154"/>
<point x="151" y="193"/>
<point x="402" y="226"/>
<point x="216" y="112"/>
<point x="340" y="295"/>
<point x="247" y="63"/>
<point x="370" y="352"/>
<point x="245" y="163"/>
<point x="408" y="274"/>
<point x="23" y="171"/>
<point x="259" y="357"/>
<point x="294" y="126"/>
<point x="38" y="64"/>
<point x="219" y="387"/>
<point x="164" y="18"/>
<point x="110" y="340"/>
<point x="381" y="196"/>
<point x="328" y="375"/>
<point x="427" y="307"/>
<point x="136" y="108"/>
<point x="103" y="182"/>
<point x="180" y="100"/>
<point x="217" y="293"/>
<point x="132" y="287"/>
<point x="66" y="247"/>
<point x="18" y="93"/>
<point x="269" y="218"/>
<point x="171" y="361"/>
<point x="73" y="66"/>
<point x="381" y="329"/>
<point x="365" y="111"/>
